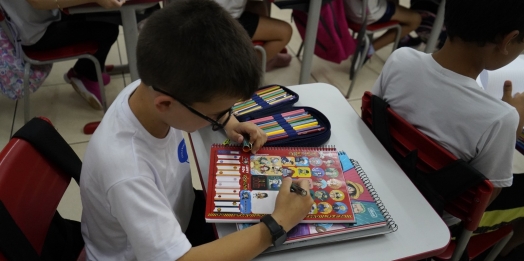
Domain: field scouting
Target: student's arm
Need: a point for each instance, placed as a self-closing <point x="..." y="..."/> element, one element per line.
<point x="246" y="244"/>
<point x="54" y="4"/>
<point x="516" y="101"/>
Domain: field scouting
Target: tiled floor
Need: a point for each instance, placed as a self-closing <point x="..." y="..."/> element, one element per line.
<point x="69" y="113"/>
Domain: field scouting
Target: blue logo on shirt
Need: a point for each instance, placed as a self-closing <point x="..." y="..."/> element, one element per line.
<point x="182" y="152"/>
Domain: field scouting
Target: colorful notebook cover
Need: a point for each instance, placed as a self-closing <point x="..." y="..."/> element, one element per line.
<point x="243" y="187"/>
<point x="368" y="209"/>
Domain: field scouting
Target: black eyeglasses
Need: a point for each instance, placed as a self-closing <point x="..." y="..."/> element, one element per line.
<point x="215" y="125"/>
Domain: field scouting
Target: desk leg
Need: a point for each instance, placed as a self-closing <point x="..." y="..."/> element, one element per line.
<point x="437" y="28"/>
<point x="309" y="42"/>
<point x="129" y="24"/>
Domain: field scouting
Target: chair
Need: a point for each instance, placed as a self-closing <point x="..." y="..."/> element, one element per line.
<point x="71" y="52"/>
<point x="364" y="36"/>
<point x="468" y="207"/>
<point x="31" y="186"/>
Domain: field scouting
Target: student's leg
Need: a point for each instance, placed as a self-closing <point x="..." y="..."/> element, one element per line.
<point x="275" y="33"/>
<point x="507" y="208"/>
<point x="75" y="29"/>
<point x="409" y="21"/>
<point x="257" y="7"/>
<point x="199" y="232"/>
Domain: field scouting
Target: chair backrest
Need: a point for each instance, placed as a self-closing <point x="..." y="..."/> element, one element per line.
<point x="470" y="205"/>
<point x="30" y="188"/>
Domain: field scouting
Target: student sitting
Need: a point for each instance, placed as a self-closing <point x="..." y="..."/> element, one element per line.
<point x="137" y="195"/>
<point x="380" y="11"/>
<point x="438" y="94"/>
<point x="275" y="34"/>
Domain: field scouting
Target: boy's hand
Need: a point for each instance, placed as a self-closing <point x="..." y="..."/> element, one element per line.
<point x="110" y="3"/>
<point x="290" y="207"/>
<point x="516" y="101"/>
<point x="257" y="137"/>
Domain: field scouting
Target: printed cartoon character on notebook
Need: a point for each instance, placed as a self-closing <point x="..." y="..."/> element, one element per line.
<point x="314" y="209"/>
<point x="340" y="208"/>
<point x="328" y="162"/>
<point x="337" y="195"/>
<point x="317" y="172"/>
<point x="324" y="208"/>
<point x="320" y="183"/>
<point x="259" y="183"/>
<point x="315" y="162"/>
<point x="302" y="173"/>
<point x="274" y="182"/>
<point x="263" y="165"/>
<point x="354" y="189"/>
<point x="245" y="201"/>
<point x="263" y="202"/>
<point x="358" y="207"/>
<point x="260" y="195"/>
<point x="322" y="227"/>
<point x="335" y="183"/>
<point x="301" y="161"/>
<point x="321" y="195"/>
<point x="288" y="172"/>
<point x="287" y="161"/>
<point x="332" y="172"/>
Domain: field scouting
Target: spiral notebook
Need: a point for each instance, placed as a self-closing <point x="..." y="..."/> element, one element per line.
<point x="243" y="187"/>
<point x="372" y="217"/>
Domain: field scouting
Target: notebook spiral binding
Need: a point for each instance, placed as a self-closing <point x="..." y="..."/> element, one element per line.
<point x="321" y="148"/>
<point x="373" y="192"/>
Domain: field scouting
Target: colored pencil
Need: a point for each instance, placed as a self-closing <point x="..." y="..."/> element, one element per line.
<point x="300" y="133"/>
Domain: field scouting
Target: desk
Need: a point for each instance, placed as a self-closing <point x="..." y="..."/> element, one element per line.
<point x="129" y="23"/>
<point x="421" y="232"/>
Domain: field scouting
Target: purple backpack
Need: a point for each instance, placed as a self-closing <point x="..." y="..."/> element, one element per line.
<point x="334" y="42"/>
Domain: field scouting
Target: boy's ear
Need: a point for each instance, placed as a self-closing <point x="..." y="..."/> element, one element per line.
<point x="163" y="102"/>
<point x="507" y="40"/>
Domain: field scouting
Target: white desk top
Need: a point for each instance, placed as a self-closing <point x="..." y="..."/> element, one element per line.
<point x="421" y="232"/>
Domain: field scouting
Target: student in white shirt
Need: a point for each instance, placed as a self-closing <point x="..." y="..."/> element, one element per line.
<point x="438" y="94"/>
<point x="137" y="195"/>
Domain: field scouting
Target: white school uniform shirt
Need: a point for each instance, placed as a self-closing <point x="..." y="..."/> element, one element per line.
<point x="137" y="194"/>
<point x="453" y="110"/>
<point x="30" y="23"/>
<point x="233" y="7"/>
<point x="376" y="9"/>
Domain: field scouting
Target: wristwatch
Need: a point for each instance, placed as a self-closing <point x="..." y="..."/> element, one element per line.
<point x="278" y="233"/>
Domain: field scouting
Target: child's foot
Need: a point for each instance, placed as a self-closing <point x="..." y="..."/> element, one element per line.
<point x="88" y="89"/>
<point x="279" y="61"/>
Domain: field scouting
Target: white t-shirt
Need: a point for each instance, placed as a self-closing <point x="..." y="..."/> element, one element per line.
<point x="137" y="194"/>
<point x="453" y="110"/>
<point x="375" y="10"/>
<point x="30" y="23"/>
<point x="233" y="7"/>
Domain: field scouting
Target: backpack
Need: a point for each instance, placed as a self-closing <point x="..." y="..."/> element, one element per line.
<point x="12" y="69"/>
<point x="334" y="42"/>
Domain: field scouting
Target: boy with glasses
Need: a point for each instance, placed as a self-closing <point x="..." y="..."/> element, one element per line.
<point x="195" y="62"/>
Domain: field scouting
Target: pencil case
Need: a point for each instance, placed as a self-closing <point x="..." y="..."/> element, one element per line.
<point x="265" y="101"/>
<point x="286" y="128"/>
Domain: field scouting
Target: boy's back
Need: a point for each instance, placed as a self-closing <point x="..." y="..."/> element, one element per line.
<point x="453" y="110"/>
<point x="131" y="185"/>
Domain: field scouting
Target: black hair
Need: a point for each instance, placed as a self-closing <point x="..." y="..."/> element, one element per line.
<point x="484" y="21"/>
<point x="195" y="51"/>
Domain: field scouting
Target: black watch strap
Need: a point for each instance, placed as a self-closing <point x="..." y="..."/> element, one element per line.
<point x="278" y="233"/>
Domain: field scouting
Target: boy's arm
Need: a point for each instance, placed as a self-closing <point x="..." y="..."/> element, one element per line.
<point x="246" y="244"/>
<point x="516" y="101"/>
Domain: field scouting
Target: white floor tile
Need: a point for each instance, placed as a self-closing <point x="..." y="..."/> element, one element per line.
<point x="66" y="109"/>
<point x="286" y="76"/>
<point x="356" y="104"/>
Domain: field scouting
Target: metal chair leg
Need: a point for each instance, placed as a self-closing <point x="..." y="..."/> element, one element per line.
<point x="357" y="65"/>
<point x="462" y="242"/>
<point x="397" y="37"/>
<point x="300" y="49"/>
<point x="27" y="71"/>
<point x="498" y="247"/>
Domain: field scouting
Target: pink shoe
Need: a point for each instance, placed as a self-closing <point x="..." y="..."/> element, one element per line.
<point x="88" y="89"/>
<point x="279" y="61"/>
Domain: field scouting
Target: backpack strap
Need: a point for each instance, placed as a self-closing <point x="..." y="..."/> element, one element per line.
<point x="13" y="243"/>
<point x="43" y="136"/>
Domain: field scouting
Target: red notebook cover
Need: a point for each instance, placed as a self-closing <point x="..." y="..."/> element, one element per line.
<point x="243" y="187"/>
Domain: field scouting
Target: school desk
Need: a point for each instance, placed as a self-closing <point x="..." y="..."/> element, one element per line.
<point x="129" y="24"/>
<point x="421" y="232"/>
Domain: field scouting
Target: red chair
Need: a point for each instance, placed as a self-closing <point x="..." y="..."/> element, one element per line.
<point x="31" y="187"/>
<point x="364" y="36"/>
<point x="468" y="207"/>
<point x="71" y="52"/>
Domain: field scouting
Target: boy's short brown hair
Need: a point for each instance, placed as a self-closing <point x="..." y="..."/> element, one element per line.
<point x="195" y="51"/>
